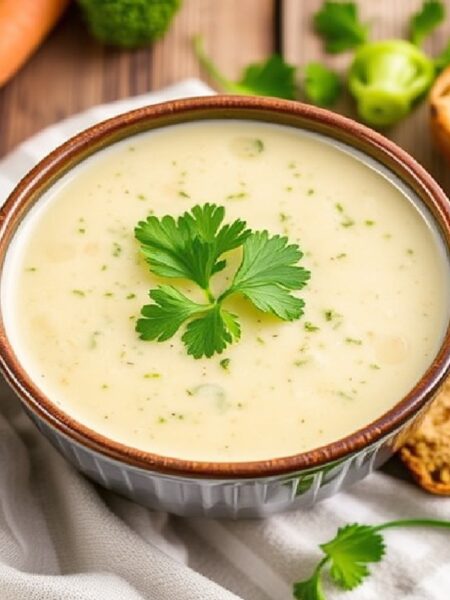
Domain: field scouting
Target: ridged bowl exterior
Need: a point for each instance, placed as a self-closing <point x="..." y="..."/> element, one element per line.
<point x="241" y="489"/>
<point x="219" y="498"/>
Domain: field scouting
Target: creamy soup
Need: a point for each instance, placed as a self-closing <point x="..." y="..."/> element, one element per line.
<point x="375" y="307"/>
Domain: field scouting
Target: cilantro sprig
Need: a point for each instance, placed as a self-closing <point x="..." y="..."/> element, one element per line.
<point x="272" y="77"/>
<point x="353" y="548"/>
<point x="339" y="25"/>
<point x="275" y="77"/>
<point x="425" y="21"/>
<point x="322" y="85"/>
<point x="193" y="247"/>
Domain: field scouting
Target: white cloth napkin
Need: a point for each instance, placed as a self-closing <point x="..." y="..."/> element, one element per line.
<point x="62" y="537"/>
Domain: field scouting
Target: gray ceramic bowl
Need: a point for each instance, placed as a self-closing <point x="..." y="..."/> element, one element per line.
<point x="243" y="489"/>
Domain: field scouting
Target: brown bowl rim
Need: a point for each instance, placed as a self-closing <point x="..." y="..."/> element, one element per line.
<point x="88" y="142"/>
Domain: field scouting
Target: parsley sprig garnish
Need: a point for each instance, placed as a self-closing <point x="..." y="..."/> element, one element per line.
<point x="271" y="77"/>
<point x="348" y="554"/>
<point x="192" y="247"/>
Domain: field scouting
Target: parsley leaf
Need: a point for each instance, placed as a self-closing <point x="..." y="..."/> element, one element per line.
<point x="162" y="245"/>
<point x="310" y="589"/>
<point x="192" y="247"/>
<point x="349" y="552"/>
<point x="272" y="77"/>
<point x="211" y="333"/>
<point x="339" y="25"/>
<point x="353" y="547"/>
<point x="426" y="20"/>
<point x="163" y="318"/>
<point x="189" y="247"/>
<point x="322" y="86"/>
<point x="267" y="274"/>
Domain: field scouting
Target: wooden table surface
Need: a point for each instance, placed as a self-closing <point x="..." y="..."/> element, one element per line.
<point x="72" y="72"/>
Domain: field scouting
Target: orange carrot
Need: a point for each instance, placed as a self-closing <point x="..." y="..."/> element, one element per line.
<point x="23" y="26"/>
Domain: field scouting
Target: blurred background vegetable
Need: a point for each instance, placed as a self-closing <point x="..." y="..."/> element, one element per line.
<point x="339" y="25"/>
<point x="386" y="78"/>
<point x="321" y="85"/>
<point x="23" y="26"/>
<point x="423" y="22"/>
<point x="129" y="23"/>
<point x="273" y="77"/>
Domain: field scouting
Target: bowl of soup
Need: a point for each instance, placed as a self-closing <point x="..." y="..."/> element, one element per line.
<point x="295" y="409"/>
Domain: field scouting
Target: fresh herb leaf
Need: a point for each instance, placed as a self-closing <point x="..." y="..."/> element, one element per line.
<point x="272" y="77"/>
<point x="225" y="363"/>
<point x="310" y="589"/>
<point x="189" y="247"/>
<point x="211" y="333"/>
<point x="350" y="551"/>
<point x="426" y="20"/>
<point x="322" y="86"/>
<point x="310" y="327"/>
<point x="232" y="324"/>
<point x="274" y="299"/>
<point x="170" y="310"/>
<point x="192" y="247"/>
<point x="443" y="59"/>
<point x="268" y="274"/>
<point x="339" y="25"/>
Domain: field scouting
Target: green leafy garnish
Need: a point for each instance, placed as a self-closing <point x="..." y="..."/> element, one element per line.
<point x="192" y="247"/>
<point x="170" y="310"/>
<point x="225" y="363"/>
<point x="272" y="77"/>
<point x="267" y="275"/>
<point x="211" y="333"/>
<point x="322" y="86"/>
<point x="353" y="548"/>
<point x="349" y="553"/>
<point x="189" y="247"/>
<point x="339" y="25"/>
<point x="426" y="20"/>
<point x="310" y="589"/>
<point x="443" y="59"/>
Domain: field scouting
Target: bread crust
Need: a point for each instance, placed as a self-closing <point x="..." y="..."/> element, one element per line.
<point x="426" y="452"/>
<point x="440" y="112"/>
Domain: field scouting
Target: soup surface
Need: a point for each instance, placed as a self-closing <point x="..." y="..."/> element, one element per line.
<point x="375" y="306"/>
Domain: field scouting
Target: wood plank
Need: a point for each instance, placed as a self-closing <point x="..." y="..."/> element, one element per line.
<point x="63" y="77"/>
<point x="388" y="19"/>
<point x="72" y="72"/>
<point x="236" y="32"/>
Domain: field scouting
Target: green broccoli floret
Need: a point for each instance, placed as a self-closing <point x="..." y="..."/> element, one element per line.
<point x="129" y="23"/>
<point x="387" y="78"/>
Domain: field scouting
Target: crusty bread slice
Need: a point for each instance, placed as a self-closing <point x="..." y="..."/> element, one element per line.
<point x="426" y="452"/>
